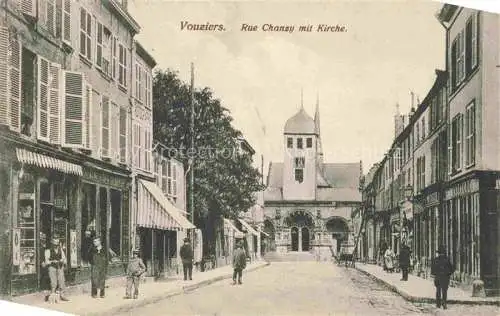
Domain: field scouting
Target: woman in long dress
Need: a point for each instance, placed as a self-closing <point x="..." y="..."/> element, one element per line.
<point x="389" y="260"/>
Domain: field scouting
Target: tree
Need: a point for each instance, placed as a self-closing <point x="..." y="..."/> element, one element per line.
<point x="224" y="180"/>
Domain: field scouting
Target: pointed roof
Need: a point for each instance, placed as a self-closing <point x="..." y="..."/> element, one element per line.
<point x="316" y="117"/>
<point x="300" y="123"/>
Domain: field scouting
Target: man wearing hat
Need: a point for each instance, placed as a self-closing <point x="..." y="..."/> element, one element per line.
<point x="135" y="269"/>
<point x="187" y="255"/>
<point x="442" y="269"/>
<point x="55" y="259"/>
<point x="239" y="263"/>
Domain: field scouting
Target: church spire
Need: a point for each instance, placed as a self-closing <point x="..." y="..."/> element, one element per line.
<point x="301" y="98"/>
<point x="316" y="116"/>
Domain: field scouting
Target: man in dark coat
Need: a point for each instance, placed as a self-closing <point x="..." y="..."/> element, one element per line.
<point x="187" y="255"/>
<point x="404" y="260"/>
<point x="99" y="265"/>
<point x="442" y="269"/>
<point x="239" y="263"/>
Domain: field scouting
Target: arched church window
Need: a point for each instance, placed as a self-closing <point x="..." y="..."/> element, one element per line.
<point x="309" y="142"/>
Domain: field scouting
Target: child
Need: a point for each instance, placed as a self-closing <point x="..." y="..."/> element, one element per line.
<point x="134" y="271"/>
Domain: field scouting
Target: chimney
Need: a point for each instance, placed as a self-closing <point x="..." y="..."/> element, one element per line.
<point x="398" y="122"/>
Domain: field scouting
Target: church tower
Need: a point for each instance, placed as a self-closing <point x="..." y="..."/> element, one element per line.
<point x="300" y="157"/>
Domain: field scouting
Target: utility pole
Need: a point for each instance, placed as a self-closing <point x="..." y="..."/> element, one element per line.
<point x="191" y="156"/>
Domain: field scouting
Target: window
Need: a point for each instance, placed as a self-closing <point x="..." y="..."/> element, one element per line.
<point x="115" y="240"/>
<point x="457" y="142"/>
<point x="450" y="148"/>
<point x="104" y="49"/>
<point x="122" y="66"/>
<point x="471" y="44"/>
<point x="470" y="139"/>
<point x="417" y="133"/>
<point x="88" y="220"/>
<point x="421" y="173"/>
<point x="123" y="135"/>
<point x="289" y="142"/>
<point x="24" y="248"/>
<point x="309" y="142"/>
<point x="47" y="12"/>
<point x="147" y="150"/>
<point x="28" y="93"/>
<point x="138" y="82"/>
<point x="105" y="127"/>
<point x="444" y="104"/>
<point x="299" y="162"/>
<point x="164" y="176"/>
<point x="299" y="143"/>
<point x="85" y="34"/>
<point x="299" y="175"/>
<point x="423" y="128"/>
<point x="137" y="145"/>
<point x="148" y="90"/>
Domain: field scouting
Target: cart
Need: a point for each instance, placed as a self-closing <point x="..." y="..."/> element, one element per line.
<point x="346" y="254"/>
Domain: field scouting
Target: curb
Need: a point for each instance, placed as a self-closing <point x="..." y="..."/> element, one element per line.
<point x="418" y="299"/>
<point x="154" y="299"/>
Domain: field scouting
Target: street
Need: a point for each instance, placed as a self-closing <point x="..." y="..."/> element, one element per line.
<point x="300" y="288"/>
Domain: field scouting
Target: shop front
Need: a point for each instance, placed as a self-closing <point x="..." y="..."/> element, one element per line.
<point x="232" y="235"/>
<point x="161" y="228"/>
<point x="251" y="239"/>
<point x="40" y="195"/>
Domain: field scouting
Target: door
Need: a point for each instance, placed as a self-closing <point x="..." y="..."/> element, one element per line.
<point x="295" y="239"/>
<point x="305" y="239"/>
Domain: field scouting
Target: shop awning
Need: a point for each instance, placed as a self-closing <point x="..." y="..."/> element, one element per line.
<point x="248" y="227"/>
<point x="229" y="226"/>
<point x="156" y="211"/>
<point x="42" y="161"/>
<point x="264" y="233"/>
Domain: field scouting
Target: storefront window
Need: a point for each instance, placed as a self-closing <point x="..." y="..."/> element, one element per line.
<point x="115" y="229"/>
<point x="88" y="220"/>
<point x="24" y="252"/>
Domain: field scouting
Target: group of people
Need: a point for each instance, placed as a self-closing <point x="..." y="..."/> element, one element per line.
<point x="441" y="269"/>
<point x="55" y="262"/>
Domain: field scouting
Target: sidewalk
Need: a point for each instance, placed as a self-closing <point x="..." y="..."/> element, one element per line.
<point x="150" y="292"/>
<point x="421" y="290"/>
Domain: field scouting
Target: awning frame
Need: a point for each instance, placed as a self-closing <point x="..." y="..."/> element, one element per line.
<point x="43" y="161"/>
<point x="249" y="228"/>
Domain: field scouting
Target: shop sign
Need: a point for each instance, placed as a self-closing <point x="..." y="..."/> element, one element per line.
<point x="466" y="187"/>
<point x="432" y="198"/>
<point x="96" y="176"/>
<point x="73" y="249"/>
<point x="16" y="246"/>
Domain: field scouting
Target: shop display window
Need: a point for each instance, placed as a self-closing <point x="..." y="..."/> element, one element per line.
<point x="24" y="252"/>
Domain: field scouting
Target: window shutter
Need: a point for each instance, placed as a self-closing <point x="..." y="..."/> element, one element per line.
<point x="114" y="61"/>
<point x="28" y="7"/>
<point x="15" y="83"/>
<point x="114" y="131"/>
<point x="43" y="99"/>
<point x="105" y="127"/>
<point x="88" y="117"/>
<point x="98" y="51"/>
<point x="51" y="16"/>
<point x="42" y="13"/>
<point x="66" y="21"/>
<point x="74" y="110"/>
<point x="55" y="104"/>
<point x="4" y="66"/>
<point x="123" y="135"/>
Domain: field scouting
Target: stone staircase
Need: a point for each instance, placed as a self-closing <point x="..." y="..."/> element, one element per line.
<point x="289" y="256"/>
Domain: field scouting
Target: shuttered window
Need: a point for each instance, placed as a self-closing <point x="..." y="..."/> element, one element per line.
<point x="122" y="66"/>
<point x="66" y="21"/>
<point x="74" y="109"/>
<point x="51" y="16"/>
<point x="15" y="83"/>
<point x="28" y="7"/>
<point x="98" y="52"/>
<point x="123" y="135"/>
<point x="43" y="99"/>
<point x="88" y="117"/>
<point x="85" y="34"/>
<point x="4" y="66"/>
<point x="105" y="109"/>
<point x="55" y="104"/>
<point x="114" y="54"/>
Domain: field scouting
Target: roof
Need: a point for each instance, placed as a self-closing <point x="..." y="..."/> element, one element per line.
<point x="446" y="12"/>
<point x="342" y="180"/>
<point x="143" y="53"/>
<point x="300" y="123"/>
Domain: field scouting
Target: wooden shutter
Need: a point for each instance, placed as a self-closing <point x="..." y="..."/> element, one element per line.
<point x="88" y="117"/>
<point x="66" y="21"/>
<point x="42" y="13"/>
<point x="15" y="83"/>
<point x="4" y="66"/>
<point x="28" y="7"/>
<point x="74" y="110"/>
<point x="98" y="47"/>
<point x="43" y="99"/>
<point x="114" y="131"/>
<point x="105" y="127"/>
<point x="114" y="53"/>
<point x="123" y="135"/>
<point x="51" y="16"/>
<point x="55" y="104"/>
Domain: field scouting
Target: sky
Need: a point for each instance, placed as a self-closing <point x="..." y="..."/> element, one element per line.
<point x="390" y="48"/>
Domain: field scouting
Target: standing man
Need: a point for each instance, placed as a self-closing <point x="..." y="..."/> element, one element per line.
<point x="187" y="254"/>
<point x="135" y="269"/>
<point x="404" y="260"/>
<point x="55" y="259"/>
<point x="239" y="263"/>
<point x="99" y="262"/>
<point x="442" y="269"/>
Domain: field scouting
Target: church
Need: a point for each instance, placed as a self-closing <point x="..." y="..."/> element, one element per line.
<point x="308" y="202"/>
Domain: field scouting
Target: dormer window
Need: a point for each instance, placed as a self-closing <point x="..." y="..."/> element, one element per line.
<point x="299" y="143"/>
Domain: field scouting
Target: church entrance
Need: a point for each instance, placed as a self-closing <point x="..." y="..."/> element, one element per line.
<point x="339" y="231"/>
<point x="300" y="223"/>
<point x="295" y="239"/>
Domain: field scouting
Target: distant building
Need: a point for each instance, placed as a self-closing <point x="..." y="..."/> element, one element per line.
<point x="308" y="203"/>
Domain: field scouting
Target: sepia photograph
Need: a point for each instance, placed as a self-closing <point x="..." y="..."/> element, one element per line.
<point x="244" y="157"/>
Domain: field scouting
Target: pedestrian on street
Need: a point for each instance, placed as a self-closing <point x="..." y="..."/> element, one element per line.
<point x="404" y="260"/>
<point x="135" y="269"/>
<point x="389" y="260"/>
<point x="187" y="255"/>
<point x="442" y="269"/>
<point x="239" y="263"/>
<point x="55" y="260"/>
<point x="99" y="266"/>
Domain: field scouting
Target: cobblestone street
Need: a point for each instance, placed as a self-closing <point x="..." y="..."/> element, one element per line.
<point x="300" y="288"/>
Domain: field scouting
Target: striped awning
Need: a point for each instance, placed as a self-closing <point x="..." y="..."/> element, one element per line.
<point x="156" y="211"/>
<point x="264" y="233"/>
<point x="248" y="227"/>
<point x="228" y="225"/>
<point x="42" y="161"/>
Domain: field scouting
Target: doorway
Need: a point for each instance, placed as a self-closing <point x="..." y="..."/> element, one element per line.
<point x="295" y="239"/>
<point x="305" y="239"/>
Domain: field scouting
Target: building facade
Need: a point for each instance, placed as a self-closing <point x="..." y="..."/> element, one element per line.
<point x="64" y="111"/>
<point x="307" y="202"/>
